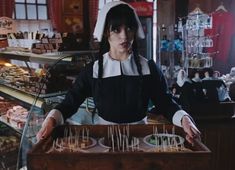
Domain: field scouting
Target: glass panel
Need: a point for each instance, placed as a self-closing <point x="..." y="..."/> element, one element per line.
<point x="19" y="0"/>
<point x="31" y="11"/>
<point x="20" y="11"/>
<point x="41" y="1"/>
<point x="101" y="3"/>
<point x="42" y="12"/>
<point x="31" y="128"/>
<point x="31" y="1"/>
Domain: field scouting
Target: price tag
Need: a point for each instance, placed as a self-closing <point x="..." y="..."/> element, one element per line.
<point x="7" y="25"/>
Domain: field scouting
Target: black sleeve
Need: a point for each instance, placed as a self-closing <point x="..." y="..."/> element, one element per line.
<point x="160" y="96"/>
<point x="77" y="94"/>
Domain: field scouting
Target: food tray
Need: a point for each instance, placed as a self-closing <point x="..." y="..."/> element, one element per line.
<point x="9" y="142"/>
<point x="196" y="157"/>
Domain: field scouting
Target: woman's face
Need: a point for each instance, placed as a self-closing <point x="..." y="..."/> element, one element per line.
<point x="121" y="39"/>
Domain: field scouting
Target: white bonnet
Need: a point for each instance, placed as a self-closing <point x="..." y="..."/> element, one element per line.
<point x="99" y="27"/>
<point x="181" y="77"/>
<point x="232" y="71"/>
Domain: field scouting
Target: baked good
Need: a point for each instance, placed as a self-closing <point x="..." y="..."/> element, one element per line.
<point x="72" y="143"/>
<point x="8" y="143"/>
<point x="17" y="116"/>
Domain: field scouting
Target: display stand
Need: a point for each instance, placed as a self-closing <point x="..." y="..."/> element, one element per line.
<point x="195" y="41"/>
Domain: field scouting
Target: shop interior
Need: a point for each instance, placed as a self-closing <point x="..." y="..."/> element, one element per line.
<point x="45" y="44"/>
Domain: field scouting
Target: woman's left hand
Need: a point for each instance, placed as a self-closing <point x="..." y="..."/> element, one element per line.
<point x="191" y="130"/>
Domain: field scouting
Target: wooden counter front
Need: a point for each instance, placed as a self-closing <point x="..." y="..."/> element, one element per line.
<point x="216" y="121"/>
<point x="197" y="159"/>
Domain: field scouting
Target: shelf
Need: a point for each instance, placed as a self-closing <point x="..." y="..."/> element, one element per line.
<point x="34" y="94"/>
<point x="30" y="57"/>
<point x="47" y="58"/>
<point x="18" y="130"/>
<point x="27" y="98"/>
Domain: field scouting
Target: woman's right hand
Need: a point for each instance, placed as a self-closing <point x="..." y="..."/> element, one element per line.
<point x="46" y="128"/>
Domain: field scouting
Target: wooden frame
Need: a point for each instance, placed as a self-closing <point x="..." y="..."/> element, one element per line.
<point x="73" y="7"/>
<point x="73" y="23"/>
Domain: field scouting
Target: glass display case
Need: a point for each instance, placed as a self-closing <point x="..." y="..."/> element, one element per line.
<point x="30" y="85"/>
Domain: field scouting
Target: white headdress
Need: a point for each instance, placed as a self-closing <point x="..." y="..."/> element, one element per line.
<point x="99" y="27"/>
<point x="232" y="71"/>
<point x="181" y="78"/>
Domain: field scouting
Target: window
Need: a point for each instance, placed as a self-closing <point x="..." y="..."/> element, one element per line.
<point x="31" y="10"/>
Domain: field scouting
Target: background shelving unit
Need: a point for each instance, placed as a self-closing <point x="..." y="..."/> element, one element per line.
<point x="195" y="41"/>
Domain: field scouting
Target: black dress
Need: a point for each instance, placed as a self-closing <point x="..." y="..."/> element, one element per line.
<point x="122" y="95"/>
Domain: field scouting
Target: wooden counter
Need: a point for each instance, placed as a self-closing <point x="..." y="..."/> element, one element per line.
<point x="197" y="159"/>
<point x="217" y="125"/>
<point x="218" y="134"/>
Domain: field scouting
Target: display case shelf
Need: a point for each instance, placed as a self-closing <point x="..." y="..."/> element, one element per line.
<point x="34" y="94"/>
<point x="22" y="96"/>
<point x="47" y="58"/>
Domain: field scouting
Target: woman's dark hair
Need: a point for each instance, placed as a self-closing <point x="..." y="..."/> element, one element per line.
<point x="116" y="17"/>
<point x="209" y="70"/>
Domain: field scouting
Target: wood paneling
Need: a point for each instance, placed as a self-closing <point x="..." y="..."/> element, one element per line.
<point x="166" y="12"/>
<point x="219" y="137"/>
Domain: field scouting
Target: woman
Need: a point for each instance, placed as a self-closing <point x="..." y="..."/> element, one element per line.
<point x="120" y="81"/>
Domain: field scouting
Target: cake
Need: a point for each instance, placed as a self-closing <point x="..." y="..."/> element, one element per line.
<point x="17" y="116"/>
<point x="8" y="143"/>
<point x="75" y="142"/>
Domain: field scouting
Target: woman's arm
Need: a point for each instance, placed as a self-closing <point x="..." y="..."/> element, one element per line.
<point x="77" y="94"/>
<point x="163" y="101"/>
<point x="74" y="98"/>
<point x="160" y="95"/>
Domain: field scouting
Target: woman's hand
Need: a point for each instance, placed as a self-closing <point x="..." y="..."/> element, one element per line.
<point x="190" y="129"/>
<point x="46" y="129"/>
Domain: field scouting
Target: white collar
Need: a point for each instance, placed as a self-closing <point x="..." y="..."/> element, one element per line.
<point x="112" y="67"/>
